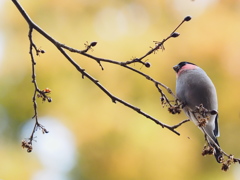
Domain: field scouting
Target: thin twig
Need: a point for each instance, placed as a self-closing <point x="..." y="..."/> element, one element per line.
<point x="114" y="99"/>
<point x="202" y="120"/>
<point x="174" y="108"/>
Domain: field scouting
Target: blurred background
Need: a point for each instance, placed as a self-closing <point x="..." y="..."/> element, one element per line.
<point x="89" y="136"/>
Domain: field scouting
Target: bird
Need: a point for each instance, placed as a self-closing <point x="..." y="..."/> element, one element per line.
<point x="196" y="92"/>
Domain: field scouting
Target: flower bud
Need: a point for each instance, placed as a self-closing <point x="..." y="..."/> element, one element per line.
<point x="187" y="18"/>
<point x="175" y="34"/>
<point x="94" y="43"/>
<point x="147" y="64"/>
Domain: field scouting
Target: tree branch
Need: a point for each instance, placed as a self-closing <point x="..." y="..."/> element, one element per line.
<point x="174" y="106"/>
<point x="43" y="93"/>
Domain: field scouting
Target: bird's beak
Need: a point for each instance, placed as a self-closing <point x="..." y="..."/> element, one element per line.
<point x="176" y="68"/>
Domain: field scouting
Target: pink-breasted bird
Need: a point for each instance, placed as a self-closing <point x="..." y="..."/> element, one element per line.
<point x="195" y="88"/>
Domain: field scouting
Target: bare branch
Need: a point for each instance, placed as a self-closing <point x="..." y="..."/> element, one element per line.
<point x="61" y="47"/>
<point x="174" y="106"/>
<point x="202" y="120"/>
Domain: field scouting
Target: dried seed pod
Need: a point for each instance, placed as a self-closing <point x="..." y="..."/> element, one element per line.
<point x="49" y="99"/>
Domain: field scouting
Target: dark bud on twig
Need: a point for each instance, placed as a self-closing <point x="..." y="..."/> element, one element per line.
<point x="187" y="18"/>
<point x="44" y="131"/>
<point x="147" y="64"/>
<point x="162" y="99"/>
<point x="92" y="44"/>
<point x="42" y="51"/>
<point x="175" y="34"/>
<point x="29" y="150"/>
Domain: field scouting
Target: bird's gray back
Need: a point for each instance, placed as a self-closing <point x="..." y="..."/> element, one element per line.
<point x="194" y="87"/>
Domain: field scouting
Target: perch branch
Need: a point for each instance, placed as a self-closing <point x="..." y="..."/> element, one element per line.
<point x="202" y="115"/>
<point x="173" y="108"/>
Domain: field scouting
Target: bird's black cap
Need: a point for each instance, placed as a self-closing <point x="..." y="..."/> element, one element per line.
<point x="180" y="65"/>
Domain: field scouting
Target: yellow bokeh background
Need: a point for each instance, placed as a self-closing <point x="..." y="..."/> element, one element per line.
<point x="112" y="141"/>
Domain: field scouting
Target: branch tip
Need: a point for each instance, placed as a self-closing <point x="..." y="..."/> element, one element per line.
<point x="92" y="44"/>
<point x="147" y="64"/>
